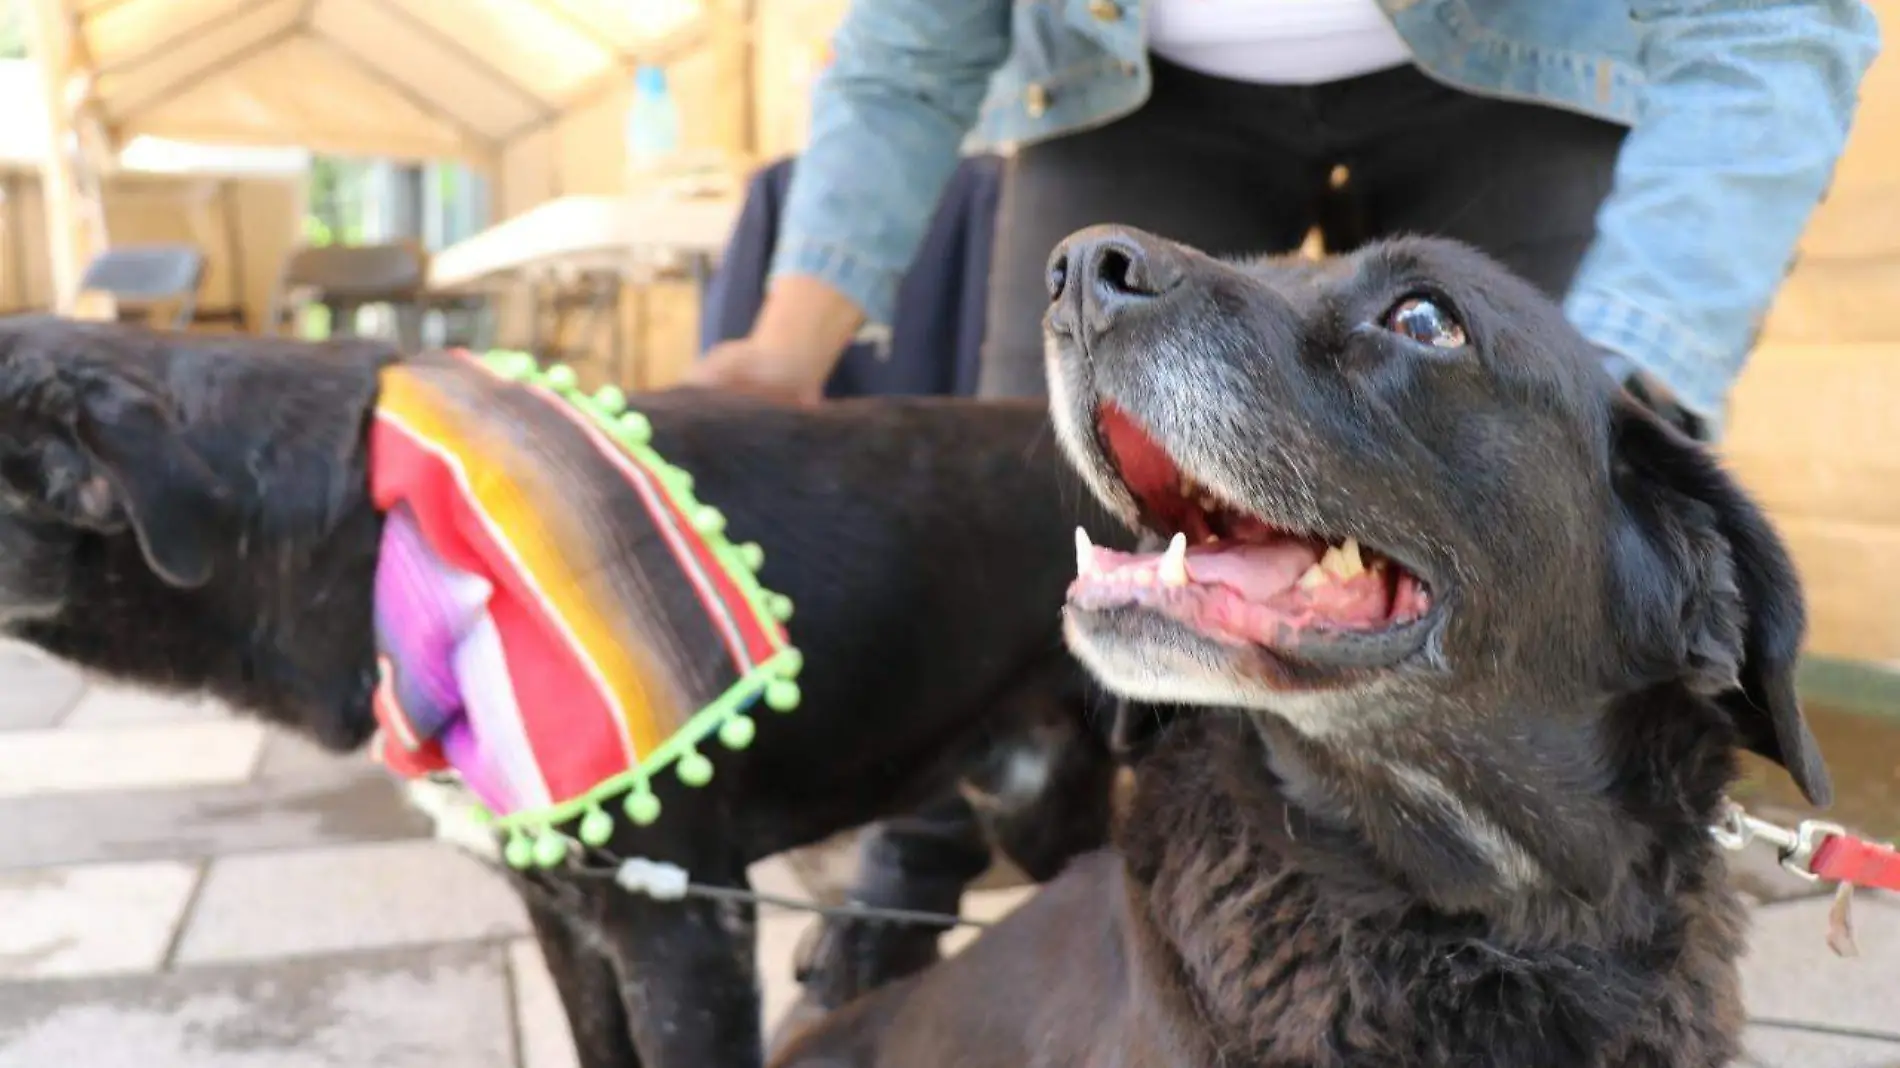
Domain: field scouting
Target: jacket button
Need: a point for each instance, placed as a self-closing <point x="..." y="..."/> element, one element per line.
<point x="1035" y="100"/>
<point x="1105" y="10"/>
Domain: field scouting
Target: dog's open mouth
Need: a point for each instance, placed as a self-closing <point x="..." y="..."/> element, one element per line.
<point x="1232" y="576"/>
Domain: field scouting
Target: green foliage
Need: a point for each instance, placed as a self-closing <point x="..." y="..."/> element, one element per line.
<point x="12" y="29"/>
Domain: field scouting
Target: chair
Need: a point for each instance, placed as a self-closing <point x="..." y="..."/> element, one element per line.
<point x="348" y="278"/>
<point x="139" y="278"/>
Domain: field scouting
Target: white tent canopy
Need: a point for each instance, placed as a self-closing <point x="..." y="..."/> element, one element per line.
<point x="405" y="78"/>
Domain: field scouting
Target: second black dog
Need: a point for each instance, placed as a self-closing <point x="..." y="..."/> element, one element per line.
<point x="193" y="515"/>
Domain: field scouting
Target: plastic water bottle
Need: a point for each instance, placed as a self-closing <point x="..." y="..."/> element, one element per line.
<point x="653" y="124"/>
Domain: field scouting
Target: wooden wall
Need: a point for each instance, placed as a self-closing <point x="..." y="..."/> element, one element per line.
<point x="265" y="216"/>
<point x="1815" y="427"/>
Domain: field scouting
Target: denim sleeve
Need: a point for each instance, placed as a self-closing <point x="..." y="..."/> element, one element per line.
<point x="889" y="117"/>
<point x="1746" y="109"/>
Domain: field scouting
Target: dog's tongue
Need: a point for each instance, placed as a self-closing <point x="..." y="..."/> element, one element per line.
<point x="1256" y="572"/>
<point x="1239" y="592"/>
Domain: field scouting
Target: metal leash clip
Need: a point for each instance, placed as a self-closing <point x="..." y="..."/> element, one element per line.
<point x="1793" y="848"/>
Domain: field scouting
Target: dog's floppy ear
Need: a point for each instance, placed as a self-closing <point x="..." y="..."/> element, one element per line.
<point x="1708" y="585"/>
<point x="166" y="491"/>
<point x="101" y="449"/>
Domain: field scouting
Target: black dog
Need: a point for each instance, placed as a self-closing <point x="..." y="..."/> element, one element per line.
<point x="1487" y="635"/>
<point x="193" y="514"/>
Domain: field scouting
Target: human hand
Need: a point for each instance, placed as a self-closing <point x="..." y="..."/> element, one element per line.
<point x="802" y="329"/>
<point x="746" y="366"/>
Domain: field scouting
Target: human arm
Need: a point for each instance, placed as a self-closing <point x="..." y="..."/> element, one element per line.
<point x="888" y="121"/>
<point x="1746" y="109"/>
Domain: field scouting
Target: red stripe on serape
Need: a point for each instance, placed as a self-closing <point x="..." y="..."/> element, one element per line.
<point x="566" y="719"/>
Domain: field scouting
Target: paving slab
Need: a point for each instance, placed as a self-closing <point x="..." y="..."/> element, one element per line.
<point x="36" y="691"/>
<point x="345" y="898"/>
<point x="1791" y="975"/>
<point x="539" y="1019"/>
<point x="339" y="805"/>
<point x="94" y="920"/>
<point x="287" y="755"/>
<point x="104" y="705"/>
<point x="431" y="1008"/>
<point x="128" y="758"/>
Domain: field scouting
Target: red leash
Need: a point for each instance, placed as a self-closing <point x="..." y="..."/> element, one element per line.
<point x="1815" y="850"/>
<point x="1818" y="851"/>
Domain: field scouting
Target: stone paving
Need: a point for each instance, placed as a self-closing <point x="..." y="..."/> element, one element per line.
<point x="180" y="888"/>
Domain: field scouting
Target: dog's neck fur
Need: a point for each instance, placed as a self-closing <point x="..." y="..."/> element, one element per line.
<point x="289" y="638"/>
<point x="1255" y="868"/>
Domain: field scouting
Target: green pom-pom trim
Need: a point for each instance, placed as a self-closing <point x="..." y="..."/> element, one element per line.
<point x="610" y="400"/>
<point x="596" y="827"/>
<point x="780" y="606"/>
<point x="738" y="732"/>
<point x="550" y="849"/>
<point x="695" y="769"/>
<point x="531" y="842"/>
<point x="782" y="695"/>
<point x="519" y="852"/>
<point x="633" y="427"/>
<point x="751" y="555"/>
<point x="514" y="365"/>
<point x="642" y="807"/>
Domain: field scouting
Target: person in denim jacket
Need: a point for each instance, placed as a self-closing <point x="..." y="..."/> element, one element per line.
<point x="1652" y="162"/>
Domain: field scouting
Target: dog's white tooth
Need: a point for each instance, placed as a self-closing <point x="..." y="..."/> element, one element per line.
<point x="1084" y="553"/>
<point x="1208" y="503"/>
<point x="1173" y="567"/>
<point x="1312" y="577"/>
<point x="1334" y="562"/>
<point x="1349" y="555"/>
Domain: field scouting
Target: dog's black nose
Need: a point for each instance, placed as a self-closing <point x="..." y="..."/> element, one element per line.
<point x="1098" y="274"/>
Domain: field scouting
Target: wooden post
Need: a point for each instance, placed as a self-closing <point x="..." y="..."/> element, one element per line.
<point x="74" y="218"/>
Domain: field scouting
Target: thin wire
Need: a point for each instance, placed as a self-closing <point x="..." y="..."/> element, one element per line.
<point x="852" y="911"/>
<point x="1864" y="1033"/>
<point x="842" y="912"/>
<point x="848" y="911"/>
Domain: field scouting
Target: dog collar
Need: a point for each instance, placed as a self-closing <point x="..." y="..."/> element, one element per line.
<point x="525" y="647"/>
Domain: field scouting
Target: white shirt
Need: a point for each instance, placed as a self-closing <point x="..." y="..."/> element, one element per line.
<point x="1279" y="42"/>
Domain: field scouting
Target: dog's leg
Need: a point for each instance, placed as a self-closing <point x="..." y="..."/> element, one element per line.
<point x="688" y="977"/>
<point x="923" y="861"/>
<point x="585" y="979"/>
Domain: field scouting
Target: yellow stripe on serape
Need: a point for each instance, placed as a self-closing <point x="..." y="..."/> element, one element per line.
<point x="516" y="521"/>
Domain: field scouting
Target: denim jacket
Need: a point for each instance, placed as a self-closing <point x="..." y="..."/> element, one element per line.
<point x="1738" y="110"/>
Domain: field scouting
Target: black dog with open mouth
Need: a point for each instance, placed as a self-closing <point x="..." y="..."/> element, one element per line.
<point x="1490" y="635"/>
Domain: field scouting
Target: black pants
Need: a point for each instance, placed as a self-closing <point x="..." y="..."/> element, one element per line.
<point x="1237" y="168"/>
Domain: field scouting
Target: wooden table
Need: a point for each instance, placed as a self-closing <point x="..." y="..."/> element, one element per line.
<point x="593" y="243"/>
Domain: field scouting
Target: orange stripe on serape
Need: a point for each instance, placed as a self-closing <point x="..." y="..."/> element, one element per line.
<point x="557" y="591"/>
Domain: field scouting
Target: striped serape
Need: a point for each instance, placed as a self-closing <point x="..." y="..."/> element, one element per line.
<point x="558" y="620"/>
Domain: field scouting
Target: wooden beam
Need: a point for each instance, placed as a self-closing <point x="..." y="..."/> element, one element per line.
<point x="659" y="52"/>
<point x="74" y="218"/>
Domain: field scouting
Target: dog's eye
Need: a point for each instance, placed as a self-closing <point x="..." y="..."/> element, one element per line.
<point x="1424" y="321"/>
